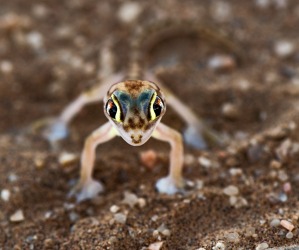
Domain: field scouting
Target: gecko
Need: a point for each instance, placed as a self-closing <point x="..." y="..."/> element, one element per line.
<point x="134" y="104"/>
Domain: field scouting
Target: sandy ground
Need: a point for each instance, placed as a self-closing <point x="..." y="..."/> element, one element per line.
<point x="238" y="195"/>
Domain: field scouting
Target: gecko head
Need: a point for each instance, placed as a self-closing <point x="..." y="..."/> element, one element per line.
<point x="135" y="108"/>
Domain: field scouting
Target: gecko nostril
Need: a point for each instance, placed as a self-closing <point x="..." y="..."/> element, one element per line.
<point x="136" y="138"/>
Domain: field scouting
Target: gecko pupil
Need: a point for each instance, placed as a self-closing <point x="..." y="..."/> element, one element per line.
<point x="158" y="106"/>
<point x="111" y="109"/>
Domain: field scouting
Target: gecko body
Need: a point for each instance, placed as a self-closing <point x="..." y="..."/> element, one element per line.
<point x="134" y="108"/>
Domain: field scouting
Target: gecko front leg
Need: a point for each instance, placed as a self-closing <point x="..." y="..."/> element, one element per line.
<point x="57" y="128"/>
<point x="174" y="182"/>
<point x="197" y="134"/>
<point x="87" y="187"/>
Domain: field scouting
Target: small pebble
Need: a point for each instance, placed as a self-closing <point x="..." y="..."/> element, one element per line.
<point x="129" y="11"/>
<point x="155" y="246"/>
<point x="231" y="190"/>
<point x="40" y="11"/>
<point x="17" y="216"/>
<point x="230" y="111"/>
<point x="166" y="232"/>
<point x="189" y="159"/>
<point x="114" y="209"/>
<point x="66" y="158"/>
<point x="148" y="158"/>
<point x="6" y="67"/>
<point x="221" y="11"/>
<point x="255" y="152"/>
<point x="221" y="63"/>
<point x="155" y="218"/>
<point x="35" y="40"/>
<point x="48" y="243"/>
<point x="282" y="197"/>
<point x="130" y="199"/>
<point x="282" y="175"/>
<point x="289" y="235"/>
<point x="263" y="4"/>
<point x="250" y="231"/>
<point x="235" y="171"/>
<point x="275" y="164"/>
<point x="120" y="218"/>
<point x="287" y="188"/>
<point x="39" y="162"/>
<point x="12" y="177"/>
<point x="232" y="237"/>
<point x="141" y="202"/>
<point x="73" y="216"/>
<point x="275" y="222"/>
<point x="284" y="48"/>
<point x="287" y="225"/>
<point x="262" y="246"/>
<point x="205" y="162"/>
<point x="219" y="246"/>
<point x="5" y="195"/>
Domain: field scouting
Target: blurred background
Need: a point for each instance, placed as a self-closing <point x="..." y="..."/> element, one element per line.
<point x="50" y="52"/>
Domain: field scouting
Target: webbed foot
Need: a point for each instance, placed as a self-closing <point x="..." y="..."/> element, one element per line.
<point x="88" y="190"/>
<point x="200" y="137"/>
<point x="169" y="186"/>
<point x="55" y="130"/>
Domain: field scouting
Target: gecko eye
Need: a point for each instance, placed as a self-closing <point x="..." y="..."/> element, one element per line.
<point x="113" y="109"/>
<point x="156" y="107"/>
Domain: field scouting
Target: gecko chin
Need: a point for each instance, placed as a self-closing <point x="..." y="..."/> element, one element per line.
<point x="135" y="138"/>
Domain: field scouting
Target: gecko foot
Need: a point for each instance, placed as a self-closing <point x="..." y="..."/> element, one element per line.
<point x="88" y="190"/>
<point x="201" y="137"/>
<point x="169" y="186"/>
<point x="193" y="138"/>
<point x="55" y="130"/>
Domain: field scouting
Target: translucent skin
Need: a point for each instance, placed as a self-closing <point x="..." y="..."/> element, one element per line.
<point x="134" y="100"/>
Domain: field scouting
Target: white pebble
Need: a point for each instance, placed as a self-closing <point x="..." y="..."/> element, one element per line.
<point x="275" y="222"/>
<point x="262" y="3"/>
<point x="166" y="232"/>
<point x="66" y="158"/>
<point x="40" y="11"/>
<point x="230" y="110"/>
<point x="129" y="11"/>
<point x="141" y="202"/>
<point x="232" y="237"/>
<point x="5" y="195"/>
<point x="205" y="162"/>
<point x="130" y="199"/>
<point x="262" y="246"/>
<point x="284" y="48"/>
<point x="221" y="62"/>
<point x="221" y="11"/>
<point x="235" y="171"/>
<point x="289" y="235"/>
<point x="35" y="40"/>
<point x="114" y="209"/>
<point x="231" y="190"/>
<point x="219" y="246"/>
<point x="120" y="218"/>
<point x="12" y="177"/>
<point x="155" y="218"/>
<point x="155" y="246"/>
<point x="17" y="216"/>
<point x="6" y="67"/>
